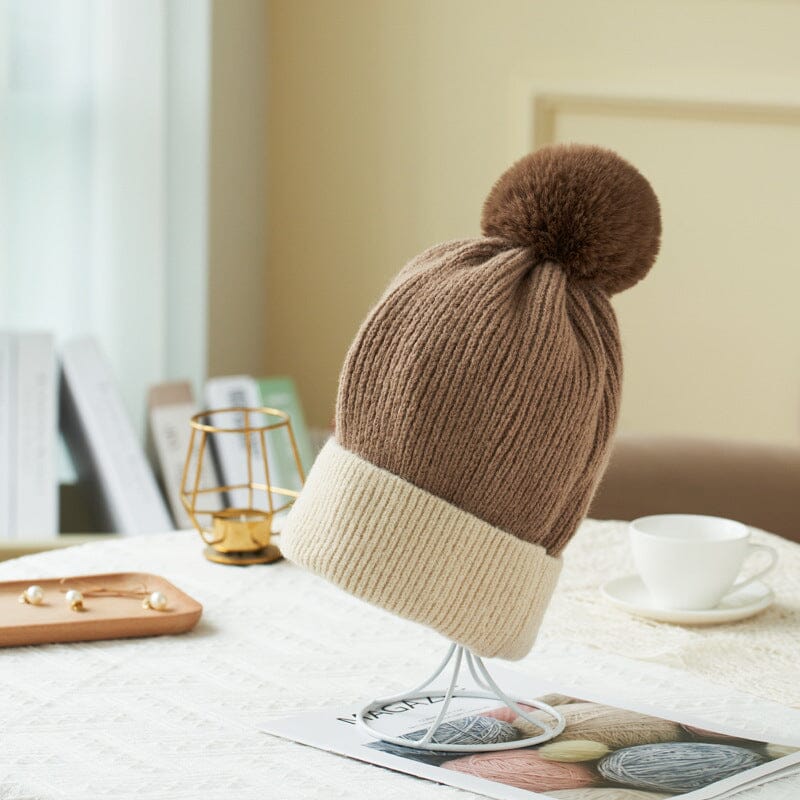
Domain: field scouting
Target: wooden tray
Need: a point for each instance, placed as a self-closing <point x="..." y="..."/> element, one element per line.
<point x="104" y="617"/>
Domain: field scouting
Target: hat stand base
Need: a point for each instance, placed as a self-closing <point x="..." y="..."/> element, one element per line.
<point x="487" y="689"/>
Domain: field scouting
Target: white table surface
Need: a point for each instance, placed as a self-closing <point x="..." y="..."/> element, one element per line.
<point x="177" y="717"/>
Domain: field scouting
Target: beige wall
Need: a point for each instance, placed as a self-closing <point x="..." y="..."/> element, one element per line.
<point x="237" y="239"/>
<point x="388" y="122"/>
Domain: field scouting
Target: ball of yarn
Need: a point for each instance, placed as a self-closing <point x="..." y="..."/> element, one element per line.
<point x="557" y="699"/>
<point x="581" y="207"/>
<point x="779" y="750"/>
<point x="573" y="751"/>
<point x="525" y="769"/>
<point x="714" y="736"/>
<point x="470" y="730"/>
<point x="676" y="766"/>
<point x="608" y="793"/>
<point x="614" y="727"/>
<point x="505" y="713"/>
<point x="431" y="757"/>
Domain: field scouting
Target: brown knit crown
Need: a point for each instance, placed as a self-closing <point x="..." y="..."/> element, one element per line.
<point x="489" y="374"/>
<point x="581" y="207"/>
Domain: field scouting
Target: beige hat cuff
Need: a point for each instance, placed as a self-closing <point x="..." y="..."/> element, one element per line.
<point x="397" y="546"/>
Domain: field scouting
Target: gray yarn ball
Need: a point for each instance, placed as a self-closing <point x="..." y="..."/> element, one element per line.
<point x="676" y="766"/>
<point x="430" y="757"/>
<point x="470" y="730"/>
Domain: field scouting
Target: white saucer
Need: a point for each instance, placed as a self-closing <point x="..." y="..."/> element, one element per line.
<point x="630" y="594"/>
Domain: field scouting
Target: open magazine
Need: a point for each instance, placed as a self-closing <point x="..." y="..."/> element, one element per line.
<point x="633" y="753"/>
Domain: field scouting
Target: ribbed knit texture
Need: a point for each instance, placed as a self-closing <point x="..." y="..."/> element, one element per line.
<point x="477" y="403"/>
<point x="400" y="547"/>
<point x="489" y="381"/>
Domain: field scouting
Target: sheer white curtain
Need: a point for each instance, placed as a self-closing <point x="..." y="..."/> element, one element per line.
<point x="103" y="179"/>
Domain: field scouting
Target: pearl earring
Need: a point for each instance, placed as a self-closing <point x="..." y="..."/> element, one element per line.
<point x="155" y="601"/>
<point x="74" y="599"/>
<point x="33" y="595"/>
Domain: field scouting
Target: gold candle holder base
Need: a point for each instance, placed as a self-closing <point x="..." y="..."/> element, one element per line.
<point x="264" y="556"/>
<point x="241" y="537"/>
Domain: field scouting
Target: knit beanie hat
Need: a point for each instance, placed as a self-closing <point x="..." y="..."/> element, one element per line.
<point x="477" y="403"/>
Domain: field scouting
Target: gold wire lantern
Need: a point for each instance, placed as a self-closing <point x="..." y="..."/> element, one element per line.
<point x="235" y="513"/>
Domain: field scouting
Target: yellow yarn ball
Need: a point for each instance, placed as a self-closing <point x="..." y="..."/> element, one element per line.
<point x="777" y="750"/>
<point x="614" y="727"/>
<point x="610" y="793"/>
<point x="576" y="750"/>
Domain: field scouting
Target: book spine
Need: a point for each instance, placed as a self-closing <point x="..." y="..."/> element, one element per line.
<point x="280" y="393"/>
<point x="107" y="451"/>
<point x="35" y="502"/>
<point x="76" y="440"/>
<point x="230" y="450"/>
<point x="171" y="432"/>
<point x="6" y="443"/>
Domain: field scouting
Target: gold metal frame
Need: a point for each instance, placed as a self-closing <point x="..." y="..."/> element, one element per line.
<point x="237" y="535"/>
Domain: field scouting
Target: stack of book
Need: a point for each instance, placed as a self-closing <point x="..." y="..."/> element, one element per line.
<point x="127" y="493"/>
<point x="28" y="392"/>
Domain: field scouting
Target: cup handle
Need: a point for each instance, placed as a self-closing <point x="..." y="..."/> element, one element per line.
<point x="773" y="560"/>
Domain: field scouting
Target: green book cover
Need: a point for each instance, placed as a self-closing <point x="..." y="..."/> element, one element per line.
<point x="280" y="392"/>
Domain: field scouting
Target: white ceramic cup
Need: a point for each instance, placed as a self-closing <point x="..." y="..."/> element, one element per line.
<point x="691" y="562"/>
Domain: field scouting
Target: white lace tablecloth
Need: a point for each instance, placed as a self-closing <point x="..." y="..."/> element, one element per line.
<point x="177" y="717"/>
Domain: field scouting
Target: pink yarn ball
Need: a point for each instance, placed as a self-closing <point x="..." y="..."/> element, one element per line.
<point x="505" y="713"/>
<point x="525" y="769"/>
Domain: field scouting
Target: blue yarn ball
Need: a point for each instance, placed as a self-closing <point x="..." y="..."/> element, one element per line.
<point x="470" y="730"/>
<point x="676" y="766"/>
<point x="431" y="757"/>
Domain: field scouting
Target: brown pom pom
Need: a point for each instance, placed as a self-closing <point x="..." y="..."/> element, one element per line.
<point x="582" y="207"/>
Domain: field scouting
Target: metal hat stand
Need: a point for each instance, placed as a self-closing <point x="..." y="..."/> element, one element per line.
<point x="488" y="689"/>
